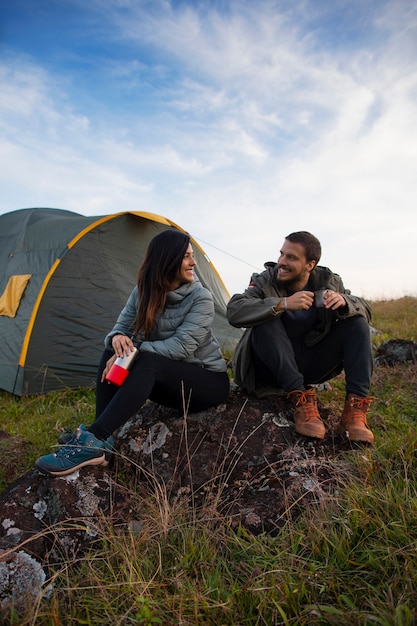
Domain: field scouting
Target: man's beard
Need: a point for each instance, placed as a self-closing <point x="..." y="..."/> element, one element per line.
<point x="287" y="284"/>
<point x="291" y="284"/>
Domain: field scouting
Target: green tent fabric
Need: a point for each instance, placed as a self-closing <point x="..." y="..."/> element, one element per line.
<point x="64" y="278"/>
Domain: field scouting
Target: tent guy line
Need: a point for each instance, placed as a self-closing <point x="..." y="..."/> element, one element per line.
<point x="206" y="243"/>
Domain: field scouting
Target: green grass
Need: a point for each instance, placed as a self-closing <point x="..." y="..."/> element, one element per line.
<point x="353" y="562"/>
<point x="36" y="422"/>
<point x="395" y="319"/>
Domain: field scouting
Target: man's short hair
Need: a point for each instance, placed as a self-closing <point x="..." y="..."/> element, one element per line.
<point x="311" y="244"/>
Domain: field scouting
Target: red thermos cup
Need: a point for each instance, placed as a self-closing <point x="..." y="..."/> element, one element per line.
<point x="120" y="369"/>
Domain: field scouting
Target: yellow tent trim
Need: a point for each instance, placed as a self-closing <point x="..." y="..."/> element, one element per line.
<point x="31" y="323"/>
<point x="12" y="295"/>
<point x="155" y="218"/>
<point x="163" y="220"/>
<point x="107" y="218"/>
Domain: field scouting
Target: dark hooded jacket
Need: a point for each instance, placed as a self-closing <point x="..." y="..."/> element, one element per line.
<point x="254" y="307"/>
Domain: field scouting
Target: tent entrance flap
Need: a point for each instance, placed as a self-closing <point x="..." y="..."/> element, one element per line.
<point x="12" y="295"/>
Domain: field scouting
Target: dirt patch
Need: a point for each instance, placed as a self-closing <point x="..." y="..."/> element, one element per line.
<point x="245" y="456"/>
<point x="241" y="461"/>
<point x="14" y="452"/>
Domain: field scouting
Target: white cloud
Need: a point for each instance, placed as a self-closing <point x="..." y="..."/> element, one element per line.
<point x="240" y="127"/>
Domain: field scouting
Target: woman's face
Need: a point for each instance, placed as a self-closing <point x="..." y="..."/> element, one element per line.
<point x="185" y="273"/>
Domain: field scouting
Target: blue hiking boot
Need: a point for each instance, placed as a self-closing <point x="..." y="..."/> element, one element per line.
<point x="82" y="449"/>
<point x="108" y="445"/>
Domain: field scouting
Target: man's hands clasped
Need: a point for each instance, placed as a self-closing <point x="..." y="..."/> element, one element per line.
<point x="304" y="300"/>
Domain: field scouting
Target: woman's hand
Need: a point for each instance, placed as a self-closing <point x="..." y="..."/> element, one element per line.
<point x="122" y="345"/>
<point x="108" y="366"/>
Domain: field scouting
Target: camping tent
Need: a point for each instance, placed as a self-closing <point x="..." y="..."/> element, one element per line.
<point x="64" y="278"/>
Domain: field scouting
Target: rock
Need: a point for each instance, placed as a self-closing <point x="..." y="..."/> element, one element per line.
<point x="54" y="516"/>
<point x="22" y="579"/>
<point x="242" y="461"/>
<point x="396" y="351"/>
<point x="244" y="454"/>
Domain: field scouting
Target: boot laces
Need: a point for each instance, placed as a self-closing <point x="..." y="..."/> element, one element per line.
<point x="358" y="408"/>
<point x="70" y="448"/>
<point x="361" y="404"/>
<point x="307" y="402"/>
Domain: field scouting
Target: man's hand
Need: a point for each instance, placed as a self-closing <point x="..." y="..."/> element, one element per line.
<point x="333" y="300"/>
<point x="300" y="301"/>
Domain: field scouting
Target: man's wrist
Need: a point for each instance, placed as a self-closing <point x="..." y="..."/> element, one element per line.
<point x="280" y="307"/>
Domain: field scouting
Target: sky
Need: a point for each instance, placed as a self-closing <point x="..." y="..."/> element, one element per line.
<point x="239" y="120"/>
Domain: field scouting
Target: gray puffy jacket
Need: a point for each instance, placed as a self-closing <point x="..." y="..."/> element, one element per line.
<point x="183" y="331"/>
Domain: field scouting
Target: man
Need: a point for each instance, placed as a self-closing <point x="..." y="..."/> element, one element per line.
<point x="303" y="328"/>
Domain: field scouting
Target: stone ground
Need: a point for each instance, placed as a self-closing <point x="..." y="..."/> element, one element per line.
<point x="244" y="456"/>
<point x="241" y="462"/>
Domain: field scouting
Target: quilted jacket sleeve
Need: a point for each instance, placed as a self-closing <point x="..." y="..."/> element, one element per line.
<point x="126" y="320"/>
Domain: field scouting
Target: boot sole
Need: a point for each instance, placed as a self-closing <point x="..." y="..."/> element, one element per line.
<point x="369" y="439"/>
<point x="311" y="435"/>
<point x="358" y="439"/>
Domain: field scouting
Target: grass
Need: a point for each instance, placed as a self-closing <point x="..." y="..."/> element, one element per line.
<point x="396" y="319"/>
<point x="353" y="562"/>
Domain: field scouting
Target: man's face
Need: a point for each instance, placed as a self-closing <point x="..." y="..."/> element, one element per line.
<point x="293" y="267"/>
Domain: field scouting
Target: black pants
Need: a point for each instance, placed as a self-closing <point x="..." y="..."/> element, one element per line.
<point x="172" y="383"/>
<point x="289" y="364"/>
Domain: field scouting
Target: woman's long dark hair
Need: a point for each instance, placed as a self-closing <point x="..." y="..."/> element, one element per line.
<point x="157" y="272"/>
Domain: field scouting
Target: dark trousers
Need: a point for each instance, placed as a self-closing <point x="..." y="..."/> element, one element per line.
<point x="172" y="383"/>
<point x="289" y="364"/>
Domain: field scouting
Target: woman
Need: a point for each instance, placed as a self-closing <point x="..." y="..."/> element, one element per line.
<point x="168" y="317"/>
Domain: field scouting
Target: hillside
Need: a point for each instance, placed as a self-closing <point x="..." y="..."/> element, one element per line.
<point x="345" y="558"/>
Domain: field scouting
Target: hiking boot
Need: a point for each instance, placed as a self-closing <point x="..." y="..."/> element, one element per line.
<point x="306" y="415"/>
<point x="82" y="449"/>
<point x="108" y="445"/>
<point x="353" y="420"/>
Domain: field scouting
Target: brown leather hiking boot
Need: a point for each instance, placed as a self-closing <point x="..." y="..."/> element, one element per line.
<point x="354" y="419"/>
<point x="306" y="415"/>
